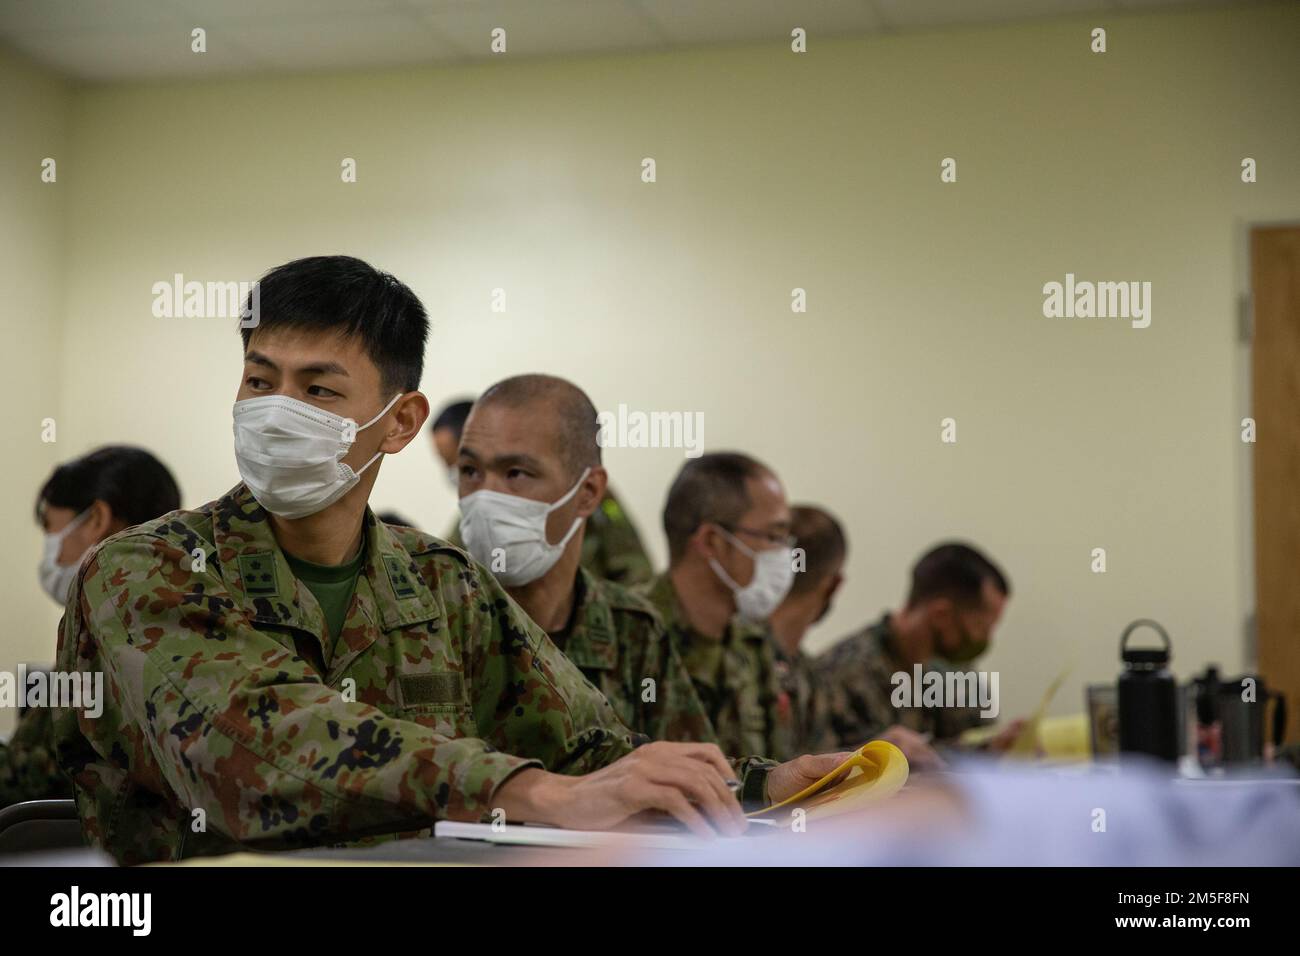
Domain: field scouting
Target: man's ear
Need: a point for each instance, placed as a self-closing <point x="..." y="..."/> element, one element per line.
<point x="100" y="523"/>
<point x="592" y="492"/>
<point x="704" y="540"/>
<point x="408" y="417"/>
<point x="832" y="585"/>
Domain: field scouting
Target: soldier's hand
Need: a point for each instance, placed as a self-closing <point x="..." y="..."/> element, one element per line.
<point x="787" y="779"/>
<point x="1007" y="736"/>
<point x="916" y="748"/>
<point x="684" y="780"/>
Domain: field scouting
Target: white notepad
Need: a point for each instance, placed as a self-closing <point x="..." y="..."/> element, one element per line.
<point x="530" y="834"/>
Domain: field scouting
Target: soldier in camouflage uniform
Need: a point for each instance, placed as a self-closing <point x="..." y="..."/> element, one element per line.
<point x="527" y="442"/>
<point x="734" y="675"/>
<point x="804" y="707"/>
<point x="281" y="669"/>
<point x="81" y="503"/>
<point x="28" y="769"/>
<point x="956" y="600"/>
<point x="719" y="590"/>
<point x="611" y="546"/>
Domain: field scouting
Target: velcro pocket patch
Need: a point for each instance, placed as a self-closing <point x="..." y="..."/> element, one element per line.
<point x="443" y="687"/>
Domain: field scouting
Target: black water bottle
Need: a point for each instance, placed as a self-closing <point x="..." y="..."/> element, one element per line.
<point x="1148" y="697"/>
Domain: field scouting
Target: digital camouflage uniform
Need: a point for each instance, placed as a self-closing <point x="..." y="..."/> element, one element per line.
<point x="857" y="674"/>
<point x="223" y="694"/>
<point x="803" y="709"/>
<point x="617" y="640"/>
<point x="611" y="547"/>
<point x="735" y="677"/>
<point x="28" y="769"/>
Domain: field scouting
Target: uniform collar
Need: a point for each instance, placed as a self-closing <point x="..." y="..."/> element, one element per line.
<point x="258" y="577"/>
<point x="591" y="641"/>
<point x="710" y="662"/>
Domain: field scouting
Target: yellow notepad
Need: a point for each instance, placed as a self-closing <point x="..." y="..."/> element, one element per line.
<point x="875" y="771"/>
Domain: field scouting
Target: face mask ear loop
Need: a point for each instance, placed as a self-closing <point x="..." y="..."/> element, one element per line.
<point x="726" y="578"/>
<point x="350" y="433"/>
<point x="563" y="500"/>
<point x="577" y="522"/>
<point x="749" y="553"/>
<point x="351" y="428"/>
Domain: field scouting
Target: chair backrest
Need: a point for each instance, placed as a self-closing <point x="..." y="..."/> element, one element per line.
<point x="36" y="825"/>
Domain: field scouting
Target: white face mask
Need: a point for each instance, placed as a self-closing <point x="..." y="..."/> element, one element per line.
<point x="773" y="578"/>
<point x="56" y="579"/>
<point x="492" y="520"/>
<point x="290" y="454"/>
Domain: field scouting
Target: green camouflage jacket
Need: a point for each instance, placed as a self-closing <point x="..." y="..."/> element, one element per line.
<point x="611" y="547"/>
<point x="28" y="769"/>
<point x="857" y="675"/>
<point x="803" y="708"/>
<point x="734" y="677"/>
<point x="618" y="641"/>
<point x="224" y="696"/>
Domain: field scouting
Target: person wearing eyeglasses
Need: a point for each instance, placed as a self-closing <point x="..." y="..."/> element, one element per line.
<point x="530" y="479"/>
<point x="730" y="564"/>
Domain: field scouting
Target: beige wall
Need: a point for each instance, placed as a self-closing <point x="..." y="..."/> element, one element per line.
<point x="774" y="171"/>
<point x="33" y="271"/>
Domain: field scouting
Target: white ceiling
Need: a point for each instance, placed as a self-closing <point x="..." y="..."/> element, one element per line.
<point x="113" y="40"/>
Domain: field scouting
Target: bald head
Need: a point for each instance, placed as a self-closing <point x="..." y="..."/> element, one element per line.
<point x="566" y="407"/>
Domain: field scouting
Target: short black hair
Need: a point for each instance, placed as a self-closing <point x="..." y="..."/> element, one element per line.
<point x="453" y="417"/>
<point x="823" y="542"/>
<point x="343" y="295"/>
<point x="135" y="485"/>
<point x="579" y="428"/>
<point x="956" y="571"/>
<point x="710" y="488"/>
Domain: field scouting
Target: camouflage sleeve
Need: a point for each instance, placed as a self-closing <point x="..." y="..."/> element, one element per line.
<point x="521" y="676"/>
<point x="235" y="723"/>
<point x="28" y="769"/>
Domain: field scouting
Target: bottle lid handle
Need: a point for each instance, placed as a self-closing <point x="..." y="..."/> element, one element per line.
<point x="1147" y="622"/>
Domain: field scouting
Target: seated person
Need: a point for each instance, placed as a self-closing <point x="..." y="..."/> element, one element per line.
<point x="530" y="478"/>
<point x="611" y="547"/>
<point x="956" y="600"/>
<point x="80" y="504"/>
<point x="805" y="706"/>
<point x="282" y="669"/>
<point x="729" y="566"/>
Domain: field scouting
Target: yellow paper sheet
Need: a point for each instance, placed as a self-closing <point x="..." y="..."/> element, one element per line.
<point x="1065" y="738"/>
<point x="1027" y="743"/>
<point x="875" y="771"/>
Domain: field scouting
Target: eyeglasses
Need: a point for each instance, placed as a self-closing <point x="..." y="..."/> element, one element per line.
<point x="771" y="537"/>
